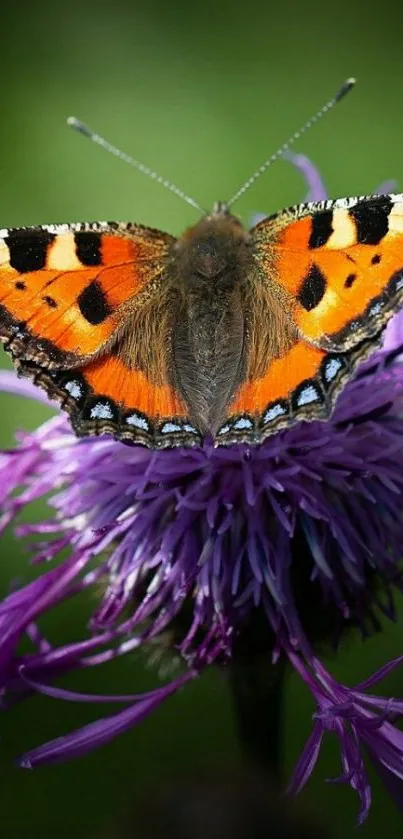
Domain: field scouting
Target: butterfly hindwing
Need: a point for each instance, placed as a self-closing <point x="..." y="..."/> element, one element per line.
<point x="301" y="385"/>
<point x="108" y="397"/>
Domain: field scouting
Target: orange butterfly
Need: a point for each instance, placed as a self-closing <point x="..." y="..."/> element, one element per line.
<point x="223" y="332"/>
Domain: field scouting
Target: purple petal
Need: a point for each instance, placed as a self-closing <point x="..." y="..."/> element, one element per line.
<point x="10" y="383"/>
<point x="394" y="332"/>
<point x="307" y="760"/>
<point x="98" y="733"/>
<point x="386" y="187"/>
<point x="316" y="187"/>
<point x="393" y="784"/>
<point x="380" y="674"/>
<point x="74" y="696"/>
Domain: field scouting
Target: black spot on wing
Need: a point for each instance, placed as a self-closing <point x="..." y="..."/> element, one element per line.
<point x="371" y="219"/>
<point x="50" y="301"/>
<point x="350" y="280"/>
<point x="322" y="229"/>
<point x="88" y="247"/>
<point x="93" y="304"/>
<point x="20" y="285"/>
<point x="376" y="259"/>
<point x="312" y="289"/>
<point x="28" y="249"/>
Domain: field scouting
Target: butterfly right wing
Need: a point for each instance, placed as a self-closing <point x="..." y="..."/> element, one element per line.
<point x="337" y="268"/>
<point x="340" y="263"/>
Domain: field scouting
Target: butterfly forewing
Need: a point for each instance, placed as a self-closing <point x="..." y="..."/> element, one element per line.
<point x="341" y="263"/>
<point x="63" y="288"/>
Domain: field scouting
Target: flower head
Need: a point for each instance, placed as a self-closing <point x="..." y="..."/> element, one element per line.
<point x="188" y="546"/>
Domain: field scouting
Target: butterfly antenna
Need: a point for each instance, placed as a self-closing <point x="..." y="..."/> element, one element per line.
<point x="345" y="88"/>
<point x="96" y="138"/>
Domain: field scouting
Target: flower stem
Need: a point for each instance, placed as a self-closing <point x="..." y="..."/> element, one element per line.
<point x="257" y="691"/>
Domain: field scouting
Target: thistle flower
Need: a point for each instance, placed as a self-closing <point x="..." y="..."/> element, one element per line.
<point x="303" y="531"/>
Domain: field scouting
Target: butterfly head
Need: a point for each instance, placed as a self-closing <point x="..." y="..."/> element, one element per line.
<point x="209" y="249"/>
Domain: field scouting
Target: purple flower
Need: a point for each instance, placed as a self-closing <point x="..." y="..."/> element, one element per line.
<point x="359" y="720"/>
<point x="187" y="546"/>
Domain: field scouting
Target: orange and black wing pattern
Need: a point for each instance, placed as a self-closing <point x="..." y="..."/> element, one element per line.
<point x="64" y="289"/>
<point x="338" y="268"/>
<point x="66" y="294"/>
<point x="83" y="312"/>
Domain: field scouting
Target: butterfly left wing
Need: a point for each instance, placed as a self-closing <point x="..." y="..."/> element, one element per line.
<point x="64" y="289"/>
<point x="109" y="396"/>
<point x="78" y="304"/>
<point x="337" y="267"/>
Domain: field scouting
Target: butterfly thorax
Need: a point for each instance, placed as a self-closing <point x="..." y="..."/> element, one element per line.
<point x="211" y="264"/>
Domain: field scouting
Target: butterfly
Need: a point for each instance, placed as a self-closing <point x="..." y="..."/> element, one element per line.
<point x="224" y="332"/>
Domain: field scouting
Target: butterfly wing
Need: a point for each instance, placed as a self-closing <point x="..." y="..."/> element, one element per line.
<point x="337" y="267"/>
<point x="300" y="385"/>
<point x="108" y="396"/>
<point x="81" y="316"/>
<point x="341" y="265"/>
<point x="64" y="289"/>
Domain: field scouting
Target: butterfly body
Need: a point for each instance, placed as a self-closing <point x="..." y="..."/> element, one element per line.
<point x="228" y="333"/>
<point x="212" y="267"/>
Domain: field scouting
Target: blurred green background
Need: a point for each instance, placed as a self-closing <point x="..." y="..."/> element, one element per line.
<point x="203" y="92"/>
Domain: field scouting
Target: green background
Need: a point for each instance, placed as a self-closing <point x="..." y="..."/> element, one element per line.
<point x="203" y="92"/>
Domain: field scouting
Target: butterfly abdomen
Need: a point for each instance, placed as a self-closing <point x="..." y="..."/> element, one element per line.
<point x="211" y="266"/>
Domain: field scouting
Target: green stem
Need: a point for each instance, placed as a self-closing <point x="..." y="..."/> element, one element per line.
<point x="257" y="691"/>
